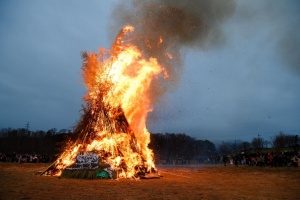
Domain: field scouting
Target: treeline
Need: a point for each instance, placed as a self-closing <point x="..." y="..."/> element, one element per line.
<point x="180" y="147"/>
<point x="23" y="141"/>
<point x="167" y="147"/>
<point x="278" y="143"/>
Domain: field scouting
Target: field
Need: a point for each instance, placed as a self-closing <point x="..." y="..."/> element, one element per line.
<point x="17" y="181"/>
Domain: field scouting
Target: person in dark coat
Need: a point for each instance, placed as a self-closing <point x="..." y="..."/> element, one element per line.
<point x="224" y="160"/>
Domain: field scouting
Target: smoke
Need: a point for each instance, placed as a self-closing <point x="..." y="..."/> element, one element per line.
<point x="288" y="32"/>
<point x="280" y="21"/>
<point x="289" y="47"/>
<point x="164" y="27"/>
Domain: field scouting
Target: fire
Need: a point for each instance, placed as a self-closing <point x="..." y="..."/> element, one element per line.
<point x="169" y="55"/>
<point x="117" y="104"/>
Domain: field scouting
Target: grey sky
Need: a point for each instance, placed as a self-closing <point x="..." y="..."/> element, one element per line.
<point x="249" y="85"/>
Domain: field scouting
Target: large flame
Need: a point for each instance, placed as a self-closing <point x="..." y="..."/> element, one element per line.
<point x="117" y="104"/>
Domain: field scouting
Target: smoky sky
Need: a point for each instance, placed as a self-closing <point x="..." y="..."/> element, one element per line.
<point x="205" y="26"/>
<point x="179" y="23"/>
<point x="234" y="72"/>
<point x="282" y="22"/>
<point x="194" y="24"/>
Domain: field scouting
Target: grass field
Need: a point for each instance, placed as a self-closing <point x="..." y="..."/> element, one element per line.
<point x="17" y="181"/>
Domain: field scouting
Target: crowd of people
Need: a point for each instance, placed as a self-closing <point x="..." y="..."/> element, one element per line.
<point x="272" y="159"/>
<point x="25" y="158"/>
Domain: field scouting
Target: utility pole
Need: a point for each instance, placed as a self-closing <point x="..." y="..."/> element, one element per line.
<point x="259" y="140"/>
<point x="27" y="128"/>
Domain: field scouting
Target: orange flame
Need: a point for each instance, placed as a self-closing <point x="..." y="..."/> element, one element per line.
<point x="118" y="81"/>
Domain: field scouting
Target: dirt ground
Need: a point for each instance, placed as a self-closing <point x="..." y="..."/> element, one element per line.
<point x="17" y="181"/>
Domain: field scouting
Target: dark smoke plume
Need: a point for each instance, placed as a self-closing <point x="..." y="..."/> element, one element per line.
<point x="177" y="23"/>
<point x="289" y="48"/>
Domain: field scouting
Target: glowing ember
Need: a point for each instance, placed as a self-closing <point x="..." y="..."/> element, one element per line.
<point x="117" y="103"/>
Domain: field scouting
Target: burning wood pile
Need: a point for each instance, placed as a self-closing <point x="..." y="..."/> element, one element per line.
<point x="112" y="134"/>
<point x="118" y="81"/>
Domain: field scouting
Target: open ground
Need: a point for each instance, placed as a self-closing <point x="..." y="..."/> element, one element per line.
<point x="18" y="181"/>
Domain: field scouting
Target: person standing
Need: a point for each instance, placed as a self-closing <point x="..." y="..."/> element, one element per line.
<point x="224" y="160"/>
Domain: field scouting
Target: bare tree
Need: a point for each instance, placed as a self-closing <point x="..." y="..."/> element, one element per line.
<point x="282" y="141"/>
<point x="225" y="148"/>
<point x="257" y="143"/>
<point x="266" y="143"/>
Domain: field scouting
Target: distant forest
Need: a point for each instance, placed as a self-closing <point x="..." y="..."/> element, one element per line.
<point x="168" y="146"/>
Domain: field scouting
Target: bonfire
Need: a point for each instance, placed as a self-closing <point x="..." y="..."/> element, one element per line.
<point x="111" y="134"/>
<point x="125" y="81"/>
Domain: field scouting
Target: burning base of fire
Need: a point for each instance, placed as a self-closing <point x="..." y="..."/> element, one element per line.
<point x="89" y="165"/>
<point x="111" y="139"/>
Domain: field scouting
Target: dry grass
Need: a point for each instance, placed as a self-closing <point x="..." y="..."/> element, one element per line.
<point x="17" y="181"/>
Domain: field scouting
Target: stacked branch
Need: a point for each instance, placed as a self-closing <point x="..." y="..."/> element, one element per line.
<point x="98" y="116"/>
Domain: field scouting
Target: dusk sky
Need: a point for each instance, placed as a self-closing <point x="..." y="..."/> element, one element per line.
<point x="247" y="83"/>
